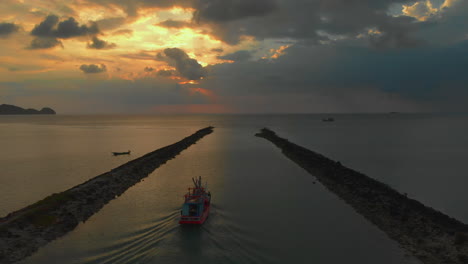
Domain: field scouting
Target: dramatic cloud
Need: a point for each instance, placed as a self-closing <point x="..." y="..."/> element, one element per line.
<point x="97" y="43"/>
<point x="187" y="67"/>
<point x="131" y="7"/>
<point x="241" y="55"/>
<point x="347" y="79"/>
<point x="93" y="68"/>
<point x="449" y="27"/>
<point x="70" y="28"/>
<point x="46" y="27"/>
<point x="397" y="34"/>
<point x="50" y="30"/>
<point x="7" y="29"/>
<point x="420" y="10"/>
<point x="228" y="10"/>
<point x="311" y="21"/>
<point x="44" y="43"/>
<point x="261" y="55"/>
<point x="174" y="24"/>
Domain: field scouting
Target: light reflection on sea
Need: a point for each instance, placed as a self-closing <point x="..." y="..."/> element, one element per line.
<point x="265" y="208"/>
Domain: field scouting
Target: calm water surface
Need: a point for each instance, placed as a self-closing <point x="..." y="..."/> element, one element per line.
<point x="265" y="208"/>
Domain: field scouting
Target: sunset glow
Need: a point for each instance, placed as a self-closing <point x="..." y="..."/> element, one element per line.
<point x="163" y="49"/>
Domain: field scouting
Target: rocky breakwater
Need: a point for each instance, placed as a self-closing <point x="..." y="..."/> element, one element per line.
<point x="24" y="231"/>
<point x="427" y="234"/>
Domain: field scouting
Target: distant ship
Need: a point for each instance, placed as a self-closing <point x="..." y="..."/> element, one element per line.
<point x="196" y="207"/>
<point x="121" y="153"/>
<point x="328" y="119"/>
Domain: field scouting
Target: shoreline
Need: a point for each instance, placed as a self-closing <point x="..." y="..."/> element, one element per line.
<point x="24" y="231"/>
<point x="427" y="234"/>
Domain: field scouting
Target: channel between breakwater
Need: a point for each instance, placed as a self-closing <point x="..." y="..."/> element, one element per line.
<point x="23" y="232"/>
<point x="427" y="234"/>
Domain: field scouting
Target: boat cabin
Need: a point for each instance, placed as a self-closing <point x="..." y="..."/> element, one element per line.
<point x="196" y="205"/>
<point x="192" y="208"/>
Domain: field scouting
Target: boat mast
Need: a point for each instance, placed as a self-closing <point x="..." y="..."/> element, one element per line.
<point x="194" y="182"/>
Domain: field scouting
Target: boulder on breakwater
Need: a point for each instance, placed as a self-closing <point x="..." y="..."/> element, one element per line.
<point x="427" y="234"/>
<point x="24" y="231"/>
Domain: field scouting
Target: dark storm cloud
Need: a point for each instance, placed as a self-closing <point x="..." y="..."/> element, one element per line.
<point x="448" y="28"/>
<point x="93" y="68"/>
<point x="241" y="55"/>
<point x="44" y="43"/>
<point x="70" y="28"/>
<point x="308" y="20"/>
<point x="352" y="78"/>
<point x="187" y="67"/>
<point x="46" y="27"/>
<point x="7" y="29"/>
<point x="174" y="24"/>
<point x="228" y="10"/>
<point x="50" y="30"/>
<point x="97" y="43"/>
<point x="208" y="10"/>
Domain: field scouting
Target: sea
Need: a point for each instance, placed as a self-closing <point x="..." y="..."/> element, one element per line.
<point x="265" y="208"/>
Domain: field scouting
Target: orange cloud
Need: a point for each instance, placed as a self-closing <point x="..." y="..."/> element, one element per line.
<point x="187" y="82"/>
<point x="279" y="52"/>
<point x="202" y="91"/>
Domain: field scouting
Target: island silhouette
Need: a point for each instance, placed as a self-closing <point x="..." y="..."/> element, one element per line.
<point x="6" y="109"/>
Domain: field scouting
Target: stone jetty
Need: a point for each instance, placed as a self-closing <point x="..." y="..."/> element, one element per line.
<point x="427" y="234"/>
<point x="24" y="231"/>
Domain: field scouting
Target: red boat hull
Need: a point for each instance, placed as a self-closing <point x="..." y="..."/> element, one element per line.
<point x="196" y="220"/>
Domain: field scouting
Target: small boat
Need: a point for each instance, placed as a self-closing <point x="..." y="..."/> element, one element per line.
<point x="196" y="207"/>
<point x="121" y="153"/>
<point x="328" y="119"/>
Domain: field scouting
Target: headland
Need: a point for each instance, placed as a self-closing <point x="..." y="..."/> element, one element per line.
<point x="6" y="109"/>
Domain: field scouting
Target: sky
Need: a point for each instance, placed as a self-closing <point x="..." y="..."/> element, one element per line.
<point x="234" y="56"/>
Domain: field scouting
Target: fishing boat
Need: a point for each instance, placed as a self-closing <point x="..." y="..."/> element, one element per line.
<point x="121" y="153"/>
<point x="196" y="207"/>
